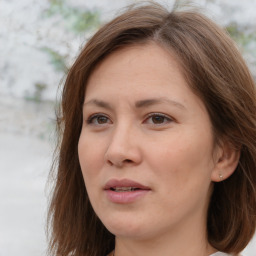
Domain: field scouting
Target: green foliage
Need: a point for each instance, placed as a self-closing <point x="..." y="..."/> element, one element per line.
<point x="233" y="30"/>
<point x="57" y="60"/>
<point x="38" y="92"/>
<point x="76" y="19"/>
<point x="241" y="35"/>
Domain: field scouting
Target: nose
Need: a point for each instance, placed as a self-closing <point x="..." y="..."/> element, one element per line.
<point x="124" y="148"/>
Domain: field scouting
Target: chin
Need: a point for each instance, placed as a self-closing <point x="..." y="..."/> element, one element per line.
<point x="125" y="227"/>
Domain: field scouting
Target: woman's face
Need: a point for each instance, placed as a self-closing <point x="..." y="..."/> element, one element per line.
<point x="146" y="145"/>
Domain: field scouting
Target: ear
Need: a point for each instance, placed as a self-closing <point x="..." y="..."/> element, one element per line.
<point x="226" y="161"/>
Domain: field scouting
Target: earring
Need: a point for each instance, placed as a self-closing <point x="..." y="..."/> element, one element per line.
<point x="221" y="176"/>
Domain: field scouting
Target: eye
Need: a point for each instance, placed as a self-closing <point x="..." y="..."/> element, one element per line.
<point x="98" y="119"/>
<point x="158" y="119"/>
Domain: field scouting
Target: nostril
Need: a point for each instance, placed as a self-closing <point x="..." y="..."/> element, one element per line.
<point x="127" y="160"/>
<point x="110" y="163"/>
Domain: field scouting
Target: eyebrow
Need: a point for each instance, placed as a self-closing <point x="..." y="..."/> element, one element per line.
<point x="138" y="104"/>
<point x="98" y="103"/>
<point x="155" y="101"/>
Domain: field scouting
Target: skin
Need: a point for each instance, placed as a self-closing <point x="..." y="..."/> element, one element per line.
<point x="172" y="152"/>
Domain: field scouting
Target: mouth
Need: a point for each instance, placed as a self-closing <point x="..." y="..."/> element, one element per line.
<point x="125" y="191"/>
<point x="124" y="185"/>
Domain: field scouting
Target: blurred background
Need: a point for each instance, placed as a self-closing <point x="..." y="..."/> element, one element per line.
<point x="39" y="41"/>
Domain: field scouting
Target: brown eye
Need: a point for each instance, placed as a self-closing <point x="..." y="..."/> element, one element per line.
<point x="98" y="120"/>
<point x="102" y="119"/>
<point x="158" y="119"/>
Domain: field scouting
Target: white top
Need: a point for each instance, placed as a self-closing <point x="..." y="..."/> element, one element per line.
<point x="220" y="254"/>
<point x="215" y="254"/>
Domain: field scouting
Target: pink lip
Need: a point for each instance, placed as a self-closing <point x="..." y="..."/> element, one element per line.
<point x="126" y="196"/>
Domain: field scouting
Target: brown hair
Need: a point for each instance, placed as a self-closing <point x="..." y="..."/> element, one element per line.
<point x="216" y="72"/>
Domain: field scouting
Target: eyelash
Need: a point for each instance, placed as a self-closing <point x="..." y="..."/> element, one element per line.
<point x="167" y="118"/>
<point x="94" y="116"/>
<point x="151" y="115"/>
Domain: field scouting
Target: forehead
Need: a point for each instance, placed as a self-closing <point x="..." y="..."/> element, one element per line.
<point x="141" y="72"/>
<point x="142" y="63"/>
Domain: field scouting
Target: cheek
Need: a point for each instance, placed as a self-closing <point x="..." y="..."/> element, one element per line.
<point x="183" y="175"/>
<point x="184" y="159"/>
<point x="90" y="157"/>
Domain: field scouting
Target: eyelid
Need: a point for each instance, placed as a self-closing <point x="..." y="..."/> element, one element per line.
<point x="91" y="117"/>
<point x="169" y="119"/>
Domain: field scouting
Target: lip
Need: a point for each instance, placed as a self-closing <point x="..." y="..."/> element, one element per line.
<point x="125" y="197"/>
<point x="113" y="183"/>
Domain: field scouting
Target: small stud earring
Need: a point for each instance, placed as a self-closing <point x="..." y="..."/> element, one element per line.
<point x="221" y="176"/>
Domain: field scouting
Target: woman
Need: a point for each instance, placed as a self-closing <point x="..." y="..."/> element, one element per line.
<point x="157" y="149"/>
